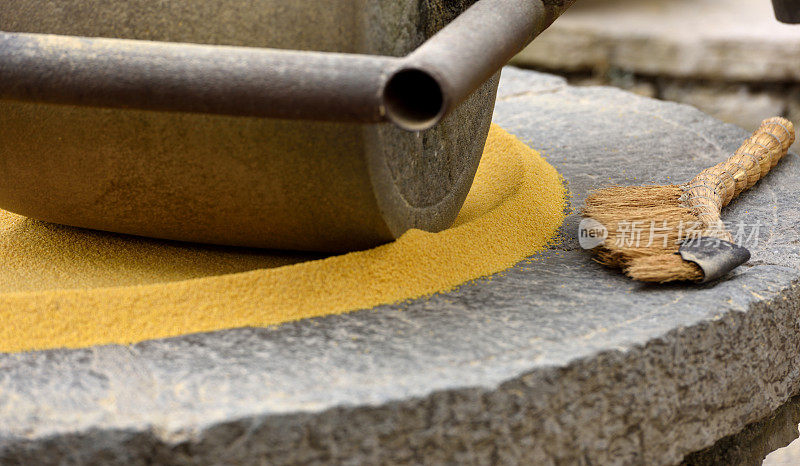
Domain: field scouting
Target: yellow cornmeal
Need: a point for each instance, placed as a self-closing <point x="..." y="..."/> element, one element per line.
<point x="66" y="287"/>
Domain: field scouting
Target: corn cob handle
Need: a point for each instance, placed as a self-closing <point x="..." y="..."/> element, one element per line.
<point x="717" y="186"/>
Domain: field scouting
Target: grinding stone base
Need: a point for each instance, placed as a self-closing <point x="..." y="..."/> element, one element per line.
<point x="556" y="361"/>
<point x="755" y="442"/>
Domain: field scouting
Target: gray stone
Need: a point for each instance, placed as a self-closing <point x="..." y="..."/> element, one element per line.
<point x="737" y="104"/>
<point x="794" y="107"/>
<point x="789" y="455"/>
<point x="729" y="40"/>
<point x="116" y="167"/>
<point x="750" y="446"/>
<point x="729" y="58"/>
<point x="557" y="360"/>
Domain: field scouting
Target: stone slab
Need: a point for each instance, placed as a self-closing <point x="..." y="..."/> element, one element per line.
<point x="789" y="455"/>
<point x="757" y="441"/>
<point x="728" y="40"/>
<point x="738" y="103"/>
<point x="557" y="360"/>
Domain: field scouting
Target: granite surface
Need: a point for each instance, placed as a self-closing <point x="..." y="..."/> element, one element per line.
<point x="730" y="58"/>
<point x="757" y="441"/>
<point x="728" y="40"/>
<point x="556" y="361"/>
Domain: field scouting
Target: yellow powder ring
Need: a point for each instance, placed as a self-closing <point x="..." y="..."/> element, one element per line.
<point x="513" y="210"/>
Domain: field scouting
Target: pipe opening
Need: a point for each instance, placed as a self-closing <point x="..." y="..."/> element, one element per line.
<point x="414" y="100"/>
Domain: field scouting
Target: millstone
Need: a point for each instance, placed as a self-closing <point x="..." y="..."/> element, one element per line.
<point x="555" y="360"/>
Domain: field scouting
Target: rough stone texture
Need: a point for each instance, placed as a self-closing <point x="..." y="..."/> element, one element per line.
<point x="557" y="360"/>
<point x="787" y="456"/>
<point x="743" y="104"/>
<point x="737" y="104"/>
<point x="794" y="108"/>
<point x="711" y="39"/>
<point x="729" y="58"/>
<point x="756" y="441"/>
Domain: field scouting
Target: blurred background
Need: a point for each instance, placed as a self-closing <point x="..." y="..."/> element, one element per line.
<point x="729" y="58"/>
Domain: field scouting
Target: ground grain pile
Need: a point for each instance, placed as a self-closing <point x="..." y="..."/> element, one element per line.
<point x="67" y="287"/>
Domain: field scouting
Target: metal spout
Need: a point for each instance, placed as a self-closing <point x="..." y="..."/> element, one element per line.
<point x="414" y="92"/>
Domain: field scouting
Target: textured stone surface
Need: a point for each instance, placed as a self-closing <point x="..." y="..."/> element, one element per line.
<point x="750" y="446"/>
<point x="730" y="40"/>
<point x="737" y="104"/>
<point x="787" y="456"/>
<point x="555" y="361"/>
<point x="729" y="58"/>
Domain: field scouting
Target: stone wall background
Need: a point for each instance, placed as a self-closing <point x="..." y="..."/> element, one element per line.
<point x="729" y="58"/>
<point x="789" y="456"/>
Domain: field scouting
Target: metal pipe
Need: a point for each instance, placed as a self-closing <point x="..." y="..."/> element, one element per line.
<point x="458" y="59"/>
<point x="192" y="78"/>
<point x="414" y="92"/>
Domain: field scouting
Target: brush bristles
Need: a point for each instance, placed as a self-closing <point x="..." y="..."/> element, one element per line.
<point x="663" y="268"/>
<point x="646" y="225"/>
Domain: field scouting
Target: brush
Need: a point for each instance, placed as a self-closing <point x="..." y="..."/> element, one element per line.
<point x="675" y="232"/>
